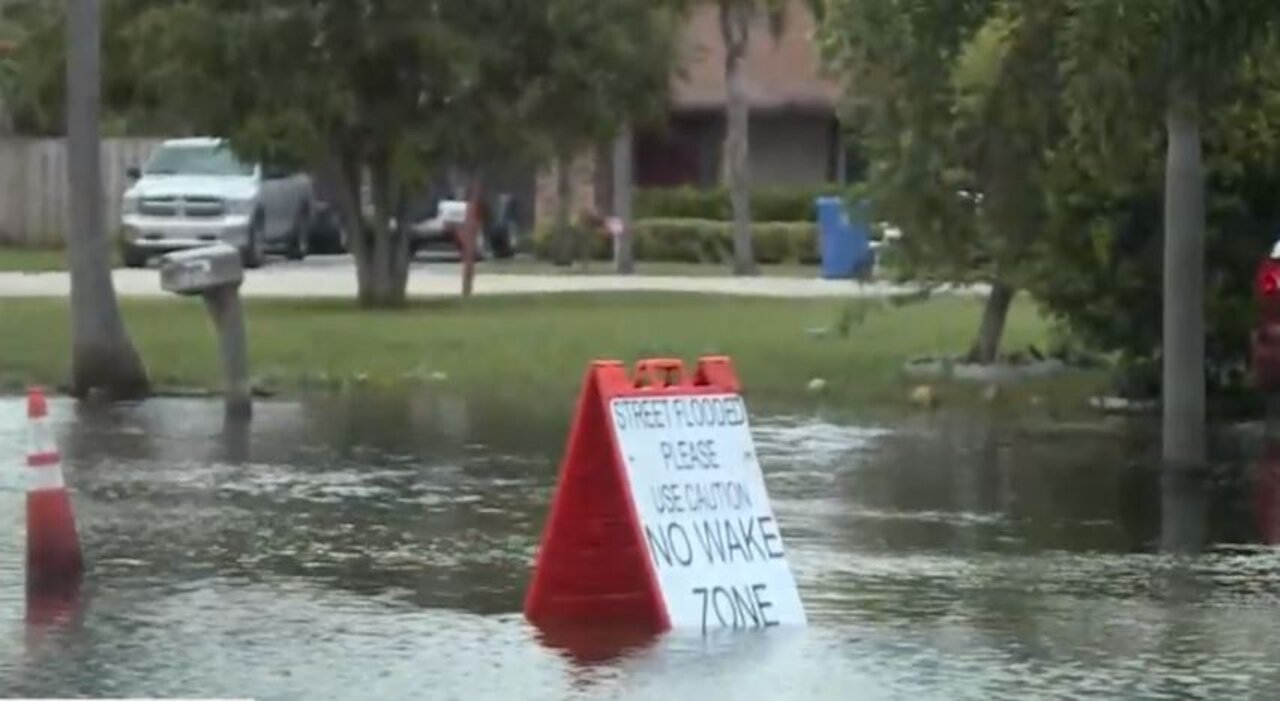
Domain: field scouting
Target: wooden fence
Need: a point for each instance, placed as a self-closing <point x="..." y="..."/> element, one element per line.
<point x="33" y="186"/>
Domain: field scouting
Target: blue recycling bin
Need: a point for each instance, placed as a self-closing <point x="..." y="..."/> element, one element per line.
<point x="844" y="241"/>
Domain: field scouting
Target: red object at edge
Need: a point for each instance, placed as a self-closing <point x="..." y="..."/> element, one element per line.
<point x="37" y="405"/>
<point x="1264" y="356"/>
<point x="593" y="565"/>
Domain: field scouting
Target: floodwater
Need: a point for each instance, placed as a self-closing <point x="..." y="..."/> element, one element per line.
<point x="366" y="547"/>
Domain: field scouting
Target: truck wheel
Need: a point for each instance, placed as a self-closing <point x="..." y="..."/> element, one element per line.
<point x="300" y="239"/>
<point x="503" y="241"/>
<point x="133" y="257"/>
<point x="252" y="253"/>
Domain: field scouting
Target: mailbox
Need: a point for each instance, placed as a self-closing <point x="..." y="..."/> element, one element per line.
<point x="199" y="270"/>
<point x="214" y="273"/>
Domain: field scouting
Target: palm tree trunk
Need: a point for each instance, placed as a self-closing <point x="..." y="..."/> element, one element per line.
<point x="562" y="237"/>
<point x="6" y="122"/>
<point x="472" y="229"/>
<point x="103" y="357"/>
<point x="735" y="23"/>
<point x="624" y="253"/>
<point x="1183" y="386"/>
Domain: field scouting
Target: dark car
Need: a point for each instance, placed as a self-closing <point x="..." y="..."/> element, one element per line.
<point x="328" y="230"/>
<point x="328" y="234"/>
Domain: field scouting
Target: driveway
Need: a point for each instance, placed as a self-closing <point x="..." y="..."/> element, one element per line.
<point x="336" y="277"/>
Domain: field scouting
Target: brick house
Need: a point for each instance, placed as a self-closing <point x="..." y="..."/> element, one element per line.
<point x="795" y="135"/>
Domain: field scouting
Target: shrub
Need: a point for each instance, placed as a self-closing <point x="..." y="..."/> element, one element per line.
<point x="682" y="203"/>
<point x="595" y="244"/>
<point x="790" y="204"/>
<point x="1101" y="262"/>
<point x="699" y="241"/>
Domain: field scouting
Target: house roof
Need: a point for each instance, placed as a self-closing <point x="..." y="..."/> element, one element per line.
<point x="780" y="74"/>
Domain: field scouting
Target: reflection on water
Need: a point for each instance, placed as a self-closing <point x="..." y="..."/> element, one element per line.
<point x="377" y="546"/>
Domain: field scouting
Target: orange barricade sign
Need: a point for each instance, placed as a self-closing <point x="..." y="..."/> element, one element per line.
<point x="661" y="517"/>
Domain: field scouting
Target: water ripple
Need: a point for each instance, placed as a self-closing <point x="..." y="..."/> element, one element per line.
<point x="369" y="551"/>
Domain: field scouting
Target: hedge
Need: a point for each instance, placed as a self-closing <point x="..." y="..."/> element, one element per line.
<point x="701" y="241"/>
<point x="767" y="205"/>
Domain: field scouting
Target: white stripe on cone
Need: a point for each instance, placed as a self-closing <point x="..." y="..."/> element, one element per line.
<point x="44" y="468"/>
<point x="45" y="479"/>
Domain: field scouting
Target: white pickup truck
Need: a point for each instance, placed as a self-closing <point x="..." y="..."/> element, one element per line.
<point x="194" y="192"/>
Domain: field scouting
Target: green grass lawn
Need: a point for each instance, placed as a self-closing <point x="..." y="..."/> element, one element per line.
<point x="529" y="346"/>
<point x="31" y="260"/>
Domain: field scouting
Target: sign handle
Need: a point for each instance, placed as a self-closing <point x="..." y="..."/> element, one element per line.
<point x="660" y="373"/>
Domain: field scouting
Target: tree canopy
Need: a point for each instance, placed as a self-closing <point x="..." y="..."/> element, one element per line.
<point x="954" y="105"/>
<point x="36" y="69"/>
<point x="1101" y="268"/>
<point x="401" y="89"/>
<point x="1024" y="141"/>
<point x="383" y="93"/>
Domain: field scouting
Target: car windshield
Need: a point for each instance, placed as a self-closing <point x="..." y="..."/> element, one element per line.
<point x="197" y="160"/>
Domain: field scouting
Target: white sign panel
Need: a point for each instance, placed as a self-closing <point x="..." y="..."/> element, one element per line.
<point x="704" y="512"/>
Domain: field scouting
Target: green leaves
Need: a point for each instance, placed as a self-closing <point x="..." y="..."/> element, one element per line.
<point x="453" y="82"/>
<point x="1054" y="111"/>
<point x="1125" y="62"/>
<point x="32" y="75"/>
<point x="606" y="63"/>
<point x="955" y="109"/>
<point x="9" y="37"/>
<point x="981" y="63"/>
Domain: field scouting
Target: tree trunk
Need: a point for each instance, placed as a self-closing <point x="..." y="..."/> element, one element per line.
<point x="986" y="348"/>
<point x="383" y="258"/>
<point x="1183" y="385"/>
<point x="562" y="244"/>
<point x="623" y="164"/>
<point x="103" y="357"/>
<point x="6" y="121"/>
<point x="342" y="165"/>
<point x="735" y="23"/>
<point x="471" y="230"/>
<point x="1184" y="512"/>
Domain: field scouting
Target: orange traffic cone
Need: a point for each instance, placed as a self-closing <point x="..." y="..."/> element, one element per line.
<point x="53" y="546"/>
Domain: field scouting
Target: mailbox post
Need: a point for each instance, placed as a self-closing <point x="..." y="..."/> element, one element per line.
<point x="215" y="274"/>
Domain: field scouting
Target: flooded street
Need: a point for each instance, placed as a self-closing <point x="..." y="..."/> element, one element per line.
<point x="366" y="547"/>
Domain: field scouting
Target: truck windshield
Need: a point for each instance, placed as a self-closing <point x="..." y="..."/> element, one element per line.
<point x="197" y="160"/>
